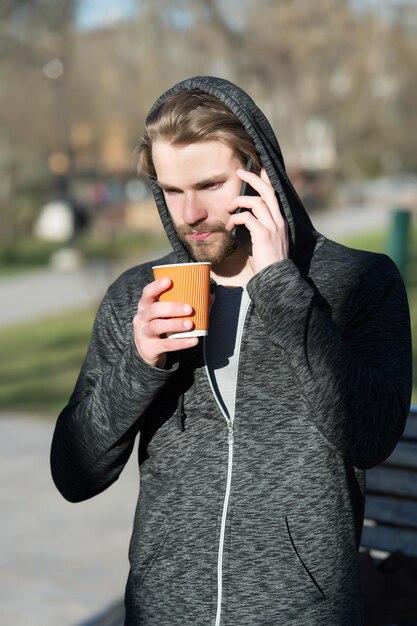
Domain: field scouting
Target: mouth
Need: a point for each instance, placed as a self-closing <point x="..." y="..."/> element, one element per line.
<point x="196" y="236"/>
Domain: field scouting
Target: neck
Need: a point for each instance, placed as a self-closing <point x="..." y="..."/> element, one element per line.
<point x="235" y="271"/>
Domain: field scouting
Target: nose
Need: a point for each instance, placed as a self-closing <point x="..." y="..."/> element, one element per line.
<point x="193" y="209"/>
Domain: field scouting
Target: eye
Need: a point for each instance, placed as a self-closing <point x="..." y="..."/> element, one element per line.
<point x="212" y="186"/>
<point x="171" y="192"/>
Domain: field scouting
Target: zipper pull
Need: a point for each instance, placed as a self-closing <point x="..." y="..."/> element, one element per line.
<point x="230" y="438"/>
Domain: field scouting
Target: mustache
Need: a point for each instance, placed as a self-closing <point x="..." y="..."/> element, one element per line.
<point x="203" y="227"/>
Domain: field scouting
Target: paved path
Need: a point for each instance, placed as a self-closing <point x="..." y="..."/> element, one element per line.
<point x="61" y="563"/>
<point x="40" y="293"/>
<point x="349" y="221"/>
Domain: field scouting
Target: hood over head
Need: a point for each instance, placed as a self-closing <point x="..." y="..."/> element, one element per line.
<point x="303" y="237"/>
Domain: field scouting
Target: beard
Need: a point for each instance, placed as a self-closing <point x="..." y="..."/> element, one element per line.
<point x="204" y="251"/>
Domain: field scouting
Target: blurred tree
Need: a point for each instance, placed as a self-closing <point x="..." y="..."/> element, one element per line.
<point x="36" y="39"/>
<point x="335" y="81"/>
<point x="320" y="70"/>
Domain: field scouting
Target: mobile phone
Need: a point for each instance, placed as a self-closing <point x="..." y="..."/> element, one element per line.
<point x="240" y="234"/>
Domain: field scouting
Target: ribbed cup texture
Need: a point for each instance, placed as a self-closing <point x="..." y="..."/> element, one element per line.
<point x="191" y="285"/>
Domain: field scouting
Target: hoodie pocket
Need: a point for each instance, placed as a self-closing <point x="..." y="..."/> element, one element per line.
<point x="298" y="569"/>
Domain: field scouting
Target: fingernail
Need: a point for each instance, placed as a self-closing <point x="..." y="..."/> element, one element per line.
<point x="187" y="323"/>
<point x="187" y="309"/>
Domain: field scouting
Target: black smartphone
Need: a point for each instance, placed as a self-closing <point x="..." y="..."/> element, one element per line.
<point x="240" y="234"/>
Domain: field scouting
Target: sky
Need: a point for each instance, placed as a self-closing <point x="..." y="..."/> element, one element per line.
<point x="99" y="13"/>
<point x="96" y="13"/>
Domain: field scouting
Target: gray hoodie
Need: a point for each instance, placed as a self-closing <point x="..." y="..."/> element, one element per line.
<point x="255" y="522"/>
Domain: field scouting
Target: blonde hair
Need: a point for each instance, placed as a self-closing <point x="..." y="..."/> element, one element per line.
<point x="193" y="116"/>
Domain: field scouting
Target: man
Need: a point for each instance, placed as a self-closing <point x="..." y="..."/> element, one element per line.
<point x="252" y="443"/>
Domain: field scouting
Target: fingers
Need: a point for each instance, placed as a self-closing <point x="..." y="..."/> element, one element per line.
<point x="164" y="310"/>
<point x="265" y="177"/>
<point x="154" y="320"/>
<point x="261" y="184"/>
<point x="267" y="226"/>
<point x="157" y="327"/>
<point x="177" y="343"/>
<point x="152" y="291"/>
<point x="265" y="206"/>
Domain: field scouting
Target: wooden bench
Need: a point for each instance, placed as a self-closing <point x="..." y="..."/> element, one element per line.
<point x="391" y="498"/>
<point x="388" y="556"/>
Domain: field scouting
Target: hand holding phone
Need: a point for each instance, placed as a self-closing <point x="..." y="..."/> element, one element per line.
<point x="266" y="237"/>
<point x="240" y="234"/>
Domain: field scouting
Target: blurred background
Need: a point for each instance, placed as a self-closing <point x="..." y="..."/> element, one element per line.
<point x="336" y="78"/>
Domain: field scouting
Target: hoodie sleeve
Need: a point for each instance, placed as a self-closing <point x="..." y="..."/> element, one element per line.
<point x="356" y="380"/>
<point x="95" y="433"/>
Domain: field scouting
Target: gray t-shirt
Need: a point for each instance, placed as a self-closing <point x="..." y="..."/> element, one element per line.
<point x="227" y="316"/>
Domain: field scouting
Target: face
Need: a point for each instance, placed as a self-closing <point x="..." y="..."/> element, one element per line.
<point x="199" y="182"/>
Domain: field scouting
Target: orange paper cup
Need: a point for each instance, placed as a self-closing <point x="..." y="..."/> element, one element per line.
<point x="190" y="285"/>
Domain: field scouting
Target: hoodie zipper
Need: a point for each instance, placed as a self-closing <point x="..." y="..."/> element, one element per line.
<point x="230" y="440"/>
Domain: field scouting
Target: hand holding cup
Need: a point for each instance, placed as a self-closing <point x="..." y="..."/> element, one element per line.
<point x="173" y="311"/>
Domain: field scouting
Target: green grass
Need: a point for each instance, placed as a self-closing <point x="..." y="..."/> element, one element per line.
<point x="29" y="254"/>
<point x="40" y="361"/>
<point x="374" y="242"/>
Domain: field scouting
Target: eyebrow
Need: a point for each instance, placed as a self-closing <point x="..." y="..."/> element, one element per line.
<point x="198" y="185"/>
